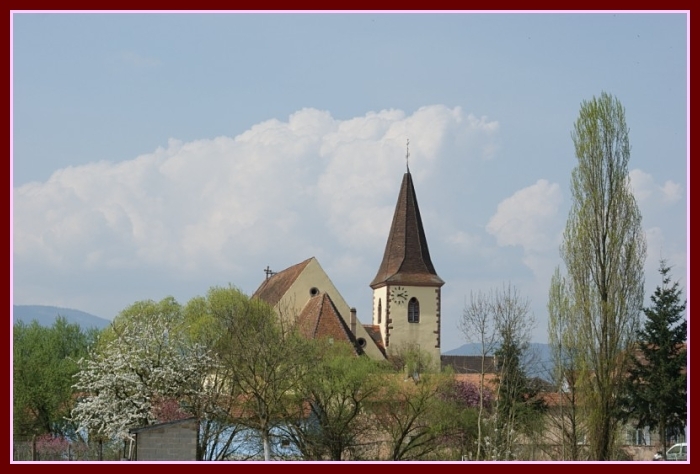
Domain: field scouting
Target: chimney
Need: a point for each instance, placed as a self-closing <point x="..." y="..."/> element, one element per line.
<point x="353" y="321"/>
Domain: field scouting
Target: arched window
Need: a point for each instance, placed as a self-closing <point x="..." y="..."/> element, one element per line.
<point x="413" y="311"/>
<point x="379" y="312"/>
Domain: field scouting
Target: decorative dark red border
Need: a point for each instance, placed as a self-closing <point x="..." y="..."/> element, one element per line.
<point x="355" y="6"/>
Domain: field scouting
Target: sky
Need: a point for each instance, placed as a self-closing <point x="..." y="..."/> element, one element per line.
<point x="160" y="155"/>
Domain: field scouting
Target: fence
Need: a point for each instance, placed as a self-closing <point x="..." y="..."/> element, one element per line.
<point x="45" y="448"/>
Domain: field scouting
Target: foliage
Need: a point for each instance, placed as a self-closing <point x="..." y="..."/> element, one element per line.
<point x="140" y="314"/>
<point x="459" y="418"/>
<point x="221" y="437"/>
<point x="604" y="250"/>
<point x="500" y="320"/>
<point x="266" y="358"/>
<point x="44" y="362"/>
<point x="168" y="409"/>
<point x="517" y="404"/>
<point x="478" y="324"/>
<point x="143" y="362"/>
<point x="411" y="360"/>
<point x="48" y="447"/>
<point x="330" y="399"/>
<point x="415" y="416"/>
<point x="469" y="395"/>
<point x="52" y="448"/>
<point x="656" y="390"/>
<point x="568" y="368"/>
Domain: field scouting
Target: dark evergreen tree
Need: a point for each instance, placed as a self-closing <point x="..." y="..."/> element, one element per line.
<point x="656" y="389"/>
<point x="518" y="406"/>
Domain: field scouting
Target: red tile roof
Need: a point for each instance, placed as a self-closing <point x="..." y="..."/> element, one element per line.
<point x="554" y="399"/>
<point x="490" y="380"/>
<point x="321" y="319"/>
<point x="273" y="289"/>
<point x="406" y="256"/>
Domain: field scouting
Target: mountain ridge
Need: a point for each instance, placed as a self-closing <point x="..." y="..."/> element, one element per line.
<point x="46" y="316"/>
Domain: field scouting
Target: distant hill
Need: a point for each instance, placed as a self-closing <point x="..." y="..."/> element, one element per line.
<point x="46" y="316"/>
<point x="537" y="364"/>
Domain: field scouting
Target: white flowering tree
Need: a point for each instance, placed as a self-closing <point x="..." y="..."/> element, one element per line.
<point x="142" y="361"/>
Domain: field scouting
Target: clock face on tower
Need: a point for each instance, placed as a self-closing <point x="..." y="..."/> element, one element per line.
<point x="399" y="295"/>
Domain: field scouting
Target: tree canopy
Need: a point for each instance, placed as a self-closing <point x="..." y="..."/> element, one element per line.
<point x="44" y="362"/>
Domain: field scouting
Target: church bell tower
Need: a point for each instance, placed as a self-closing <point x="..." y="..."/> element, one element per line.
<point x="406" y="290"/>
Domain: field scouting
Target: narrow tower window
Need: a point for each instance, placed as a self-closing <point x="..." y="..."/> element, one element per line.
<point x="379" y="312"/>
<point x="413" y="311"/>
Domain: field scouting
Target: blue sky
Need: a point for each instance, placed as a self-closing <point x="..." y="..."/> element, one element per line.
<point x="162" y="154"/>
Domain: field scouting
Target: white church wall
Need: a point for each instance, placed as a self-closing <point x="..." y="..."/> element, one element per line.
<point x="426" y="332"/>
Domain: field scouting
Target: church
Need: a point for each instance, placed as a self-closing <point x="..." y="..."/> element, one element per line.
<point x="405" y="292"/>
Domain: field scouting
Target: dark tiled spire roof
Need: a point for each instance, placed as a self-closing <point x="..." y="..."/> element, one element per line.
<point x="406" y="257"/>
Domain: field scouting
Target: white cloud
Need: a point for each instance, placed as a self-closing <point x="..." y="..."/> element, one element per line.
<point x="523" y="218"/>
<point x="528" y="219"/>
<point x="671" y="191"/>
<point x="194" y="214"/>
<point x="357" y="189"/>
<point x="642" y="184"/>
<point x="645" y="188"/>
<point x="213" y="205"/>
<point x="464" y="241"/>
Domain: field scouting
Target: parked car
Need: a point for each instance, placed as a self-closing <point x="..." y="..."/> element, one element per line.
<point x="677" y="452"/>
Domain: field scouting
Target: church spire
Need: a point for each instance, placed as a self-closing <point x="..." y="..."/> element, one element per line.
<point x="406" y="257"/>
<point x="407" y="155"/>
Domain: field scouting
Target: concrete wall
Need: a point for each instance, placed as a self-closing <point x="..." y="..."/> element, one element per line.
<point x="168" y="442"/>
